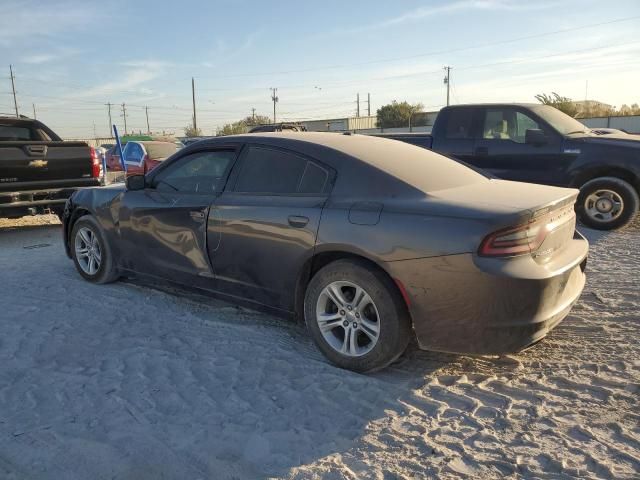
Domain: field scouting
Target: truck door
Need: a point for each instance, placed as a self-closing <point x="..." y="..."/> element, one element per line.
<point x="502" y="147"/>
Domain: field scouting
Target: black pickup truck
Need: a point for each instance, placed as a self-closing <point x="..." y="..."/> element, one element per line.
<point x="539" y="144"/>
<point x="39" y="171"/>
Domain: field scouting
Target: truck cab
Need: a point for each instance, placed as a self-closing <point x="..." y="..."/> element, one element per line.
<point x="539" y="144"/>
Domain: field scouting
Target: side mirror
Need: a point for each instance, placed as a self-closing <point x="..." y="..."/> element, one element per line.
<point x="535" y="136"/>
<point x="135" y="182"/>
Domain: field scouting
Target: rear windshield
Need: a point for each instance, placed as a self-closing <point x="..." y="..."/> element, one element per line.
<point x="11" y="133"/>
<point x="160" y="150"/>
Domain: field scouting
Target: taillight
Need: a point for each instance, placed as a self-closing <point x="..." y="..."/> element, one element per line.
<point x="528" y="237"/>
<point x="514" y="241"/>
<point x="96" y="164"/>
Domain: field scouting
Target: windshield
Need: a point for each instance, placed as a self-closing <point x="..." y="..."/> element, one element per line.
<point x="561" y="122"/>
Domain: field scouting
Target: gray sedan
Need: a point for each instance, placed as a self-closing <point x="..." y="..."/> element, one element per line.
<point x="368" y="240"/>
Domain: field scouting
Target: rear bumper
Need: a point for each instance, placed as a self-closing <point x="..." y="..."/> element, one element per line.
<point x="460" y="305"/>
<point x="17" y="204"/>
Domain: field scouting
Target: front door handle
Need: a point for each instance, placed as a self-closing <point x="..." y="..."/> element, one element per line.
<point x="482" y="150"/>
<point x="298" y="221"/>
<point x="196" y="215"/>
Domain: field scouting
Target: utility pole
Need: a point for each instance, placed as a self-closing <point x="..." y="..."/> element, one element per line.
<point x="274" y="97"/>
<point x="193" y="96"/>
<point x="34" y="111"/>
<point x="253" y="115"/>
<point x="124" y="115"/>
<point x="13" y="87"/>
<point x="146" y="111"/>
<point x="586" y="91"/>
<point x="110" y="122"/>
<point x="358" y="105"/>
<point x="369" y="104"/>
<point x="447" y="81"/>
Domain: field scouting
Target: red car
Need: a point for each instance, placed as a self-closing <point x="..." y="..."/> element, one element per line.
<point x="141" y="156"/>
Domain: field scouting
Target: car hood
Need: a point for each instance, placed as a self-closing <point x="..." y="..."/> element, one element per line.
<point x="614" y="139"/>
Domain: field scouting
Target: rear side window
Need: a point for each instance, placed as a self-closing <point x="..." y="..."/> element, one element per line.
<point x="314" y="179"/>
<point x="271" y="171"/>
<point x="459" y="122"/>
<point x="11" y="133"/>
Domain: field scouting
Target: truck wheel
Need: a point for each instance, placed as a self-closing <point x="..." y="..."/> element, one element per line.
<point x="607" y="203"/>
<point x="356" y="316"/>
<point x="90" y="251"/>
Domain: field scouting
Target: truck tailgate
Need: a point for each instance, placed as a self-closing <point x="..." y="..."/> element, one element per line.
<point x="33" y="163"/>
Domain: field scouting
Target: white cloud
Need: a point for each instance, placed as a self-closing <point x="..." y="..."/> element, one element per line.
<point x="130" y="81"/>
<point x="23" y="19"/>
<point x="451" y="7"/>
<point x="47" y="57"/>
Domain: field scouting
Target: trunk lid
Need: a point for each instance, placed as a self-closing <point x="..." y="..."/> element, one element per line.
<point x="540" y="215"/>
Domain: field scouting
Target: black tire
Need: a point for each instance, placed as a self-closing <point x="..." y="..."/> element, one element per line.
<point x="619" y="187"/>
<point x="393" y="319"/>
<point x="106" y="272"/>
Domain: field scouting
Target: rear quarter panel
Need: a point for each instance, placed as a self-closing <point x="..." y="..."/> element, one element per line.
<point x="399" y="234"/>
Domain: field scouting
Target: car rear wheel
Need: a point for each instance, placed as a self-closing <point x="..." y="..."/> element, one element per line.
<point x="607" y="203"/>
<point x="356" y="317"/>
<point x="90" y="251"/>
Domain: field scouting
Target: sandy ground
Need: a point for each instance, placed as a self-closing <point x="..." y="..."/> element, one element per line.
<point x="126" y="381"/>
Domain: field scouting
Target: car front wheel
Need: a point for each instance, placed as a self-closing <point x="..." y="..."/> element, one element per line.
<point x="607" y="203"/>
<point x="356" y="317"/>
<point x="90" y="251"/>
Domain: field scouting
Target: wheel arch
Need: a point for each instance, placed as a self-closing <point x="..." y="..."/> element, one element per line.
<point x="320" y="259"/>
<point x="618" y="172"/>
<point x="76" y="214"/>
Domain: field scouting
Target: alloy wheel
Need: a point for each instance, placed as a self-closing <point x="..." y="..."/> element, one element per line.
<point x="87" y="249"/>
<point x="348" y="318"/>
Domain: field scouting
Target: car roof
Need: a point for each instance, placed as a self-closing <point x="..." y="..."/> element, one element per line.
<point x="497" y="104"/>
<point x="379" y="164"/>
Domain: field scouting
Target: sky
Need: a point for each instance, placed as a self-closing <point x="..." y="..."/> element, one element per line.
<point x="72" y="57"/>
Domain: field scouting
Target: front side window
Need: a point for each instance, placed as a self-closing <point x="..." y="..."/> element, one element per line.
<point x="524" y="123"/>
<point x="507" y="124"/>
<point x="199" y="172"/>
<point x="271" y="171"/>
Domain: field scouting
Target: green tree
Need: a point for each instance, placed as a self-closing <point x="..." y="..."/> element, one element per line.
<point x="564" y="104"/>
<point x="242" y="126"/>
<point x="191" y="131"/>
<point x="396" y="114"/>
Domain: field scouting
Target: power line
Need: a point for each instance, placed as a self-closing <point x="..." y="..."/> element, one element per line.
<point x="436" y="52"/>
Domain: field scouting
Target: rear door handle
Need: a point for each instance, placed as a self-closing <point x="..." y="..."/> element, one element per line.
<point x="196" y="215"/>
<point x="298" y="221"/>
<point x="482" y="150"/>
